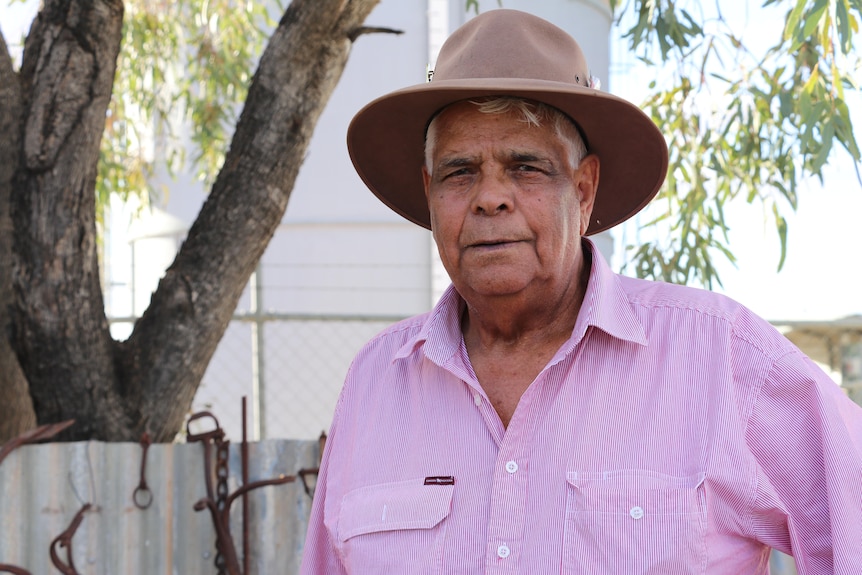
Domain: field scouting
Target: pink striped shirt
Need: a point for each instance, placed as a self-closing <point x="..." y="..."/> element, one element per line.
<point x="674" y="433"/>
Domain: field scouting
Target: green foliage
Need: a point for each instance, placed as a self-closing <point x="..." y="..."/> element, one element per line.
<point x="739" y="123"/>
<point x="184" y="68"/>
<point x="474" y="5"/>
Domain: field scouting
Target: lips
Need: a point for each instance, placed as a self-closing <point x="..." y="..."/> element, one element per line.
<point x="492" y="243"/>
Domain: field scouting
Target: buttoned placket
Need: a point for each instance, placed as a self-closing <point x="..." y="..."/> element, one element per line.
<point x="509" y="488"/>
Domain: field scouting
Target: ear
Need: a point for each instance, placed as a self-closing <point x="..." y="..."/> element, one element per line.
<point x="426" y="180"/>
<point x="587" y="181"/>
<point x="426" y="185"/>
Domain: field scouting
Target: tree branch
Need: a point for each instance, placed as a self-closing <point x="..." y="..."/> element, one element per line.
<point x="357" y="32"/>
<point x="179" y="332"/>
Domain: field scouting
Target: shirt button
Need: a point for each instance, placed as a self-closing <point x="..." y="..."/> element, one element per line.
<point x="636" y="512"/>
<point x="477" y="399"/>
<point x="511" y="466"/>
<point x="503" y="551"/>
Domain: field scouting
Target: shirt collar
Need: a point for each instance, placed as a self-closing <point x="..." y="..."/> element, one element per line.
<point x="606" y="307"/>
<point x="440" y="332"/>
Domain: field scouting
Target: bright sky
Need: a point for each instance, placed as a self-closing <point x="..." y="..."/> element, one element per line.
<point x="822" y="276"/>
<point x="15" y="21"/>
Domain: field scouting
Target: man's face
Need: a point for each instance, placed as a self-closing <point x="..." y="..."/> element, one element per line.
<point x="508" y="203"/>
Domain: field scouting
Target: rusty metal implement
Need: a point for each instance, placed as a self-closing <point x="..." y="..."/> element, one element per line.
<point x="142" y="497"/>
<point x="64" y="539"/>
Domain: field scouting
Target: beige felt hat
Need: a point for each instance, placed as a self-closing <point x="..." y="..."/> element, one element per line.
<point x="511" y="53"/>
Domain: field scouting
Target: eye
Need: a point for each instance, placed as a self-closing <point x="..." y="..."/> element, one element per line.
<point x="528" y="169"/>
<point x="456" y="173"/>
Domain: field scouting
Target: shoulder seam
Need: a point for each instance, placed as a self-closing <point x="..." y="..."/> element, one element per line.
<point x="683" y="305"/>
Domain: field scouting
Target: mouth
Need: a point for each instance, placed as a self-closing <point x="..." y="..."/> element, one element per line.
<point x="491" y="244"/>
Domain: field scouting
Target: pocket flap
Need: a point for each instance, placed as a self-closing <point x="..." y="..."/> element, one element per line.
<point x="622" y="491"/>
<point x="393" y="506"/>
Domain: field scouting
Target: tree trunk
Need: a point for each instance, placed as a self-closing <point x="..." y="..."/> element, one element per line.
<point x="60" y="332"/>
<point x="194" y="302"/>
<point x="114" y="390"/>
<point x="16" y="409"/>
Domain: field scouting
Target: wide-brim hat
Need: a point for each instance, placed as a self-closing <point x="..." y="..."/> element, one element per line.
<point x="509" y="53"/>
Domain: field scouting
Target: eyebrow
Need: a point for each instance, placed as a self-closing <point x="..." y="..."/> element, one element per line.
<point x="526" y="157"/>
<point x="457" y="162"/>
<point x="514" y="155"/>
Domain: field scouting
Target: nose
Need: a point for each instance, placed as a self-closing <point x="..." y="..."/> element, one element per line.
<point x="492" y="196"/>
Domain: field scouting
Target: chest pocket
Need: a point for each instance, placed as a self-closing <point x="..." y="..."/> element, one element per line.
<point x="635" y="522"/>
<point x="394" y="527"/>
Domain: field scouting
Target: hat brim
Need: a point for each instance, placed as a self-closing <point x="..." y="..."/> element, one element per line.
<point x="386" y="143"/>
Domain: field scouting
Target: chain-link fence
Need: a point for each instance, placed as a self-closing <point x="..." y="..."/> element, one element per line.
<point x="291" y="367"/>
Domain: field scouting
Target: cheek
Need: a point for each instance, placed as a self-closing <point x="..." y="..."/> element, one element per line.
<point x="567" y="215"/>
<point x="576" y="222"/>
<point x="438" y="221"/>
<point x="446" y="213"/>
<point x="443" y="232"/>
<point x="562" y="231"/>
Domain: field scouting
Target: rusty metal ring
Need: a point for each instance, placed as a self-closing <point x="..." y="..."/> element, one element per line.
<point x="147" y="502"/>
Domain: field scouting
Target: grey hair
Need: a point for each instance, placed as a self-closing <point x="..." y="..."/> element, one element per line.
<point x="532" y="113"/>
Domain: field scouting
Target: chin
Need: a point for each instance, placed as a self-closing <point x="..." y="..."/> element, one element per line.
<point x="496" y="286"/>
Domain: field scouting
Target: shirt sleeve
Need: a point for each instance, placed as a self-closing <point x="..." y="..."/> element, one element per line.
<point x="319" y="556"/>
<point x="806" y="437"/>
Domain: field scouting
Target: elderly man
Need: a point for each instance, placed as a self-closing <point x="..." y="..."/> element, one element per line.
<point x="548" y="415"/>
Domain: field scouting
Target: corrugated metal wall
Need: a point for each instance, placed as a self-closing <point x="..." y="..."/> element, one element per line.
<point x="42" y="487"/>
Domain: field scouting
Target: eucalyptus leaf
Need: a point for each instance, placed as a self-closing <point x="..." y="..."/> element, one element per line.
<point x="782" y="112"/>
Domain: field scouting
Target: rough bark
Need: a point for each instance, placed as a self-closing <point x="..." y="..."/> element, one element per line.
<point x="16" y="409"/>
<point x="193" y="304"/>
<point x="115" y="390"/>
<point x="60" y="332"/>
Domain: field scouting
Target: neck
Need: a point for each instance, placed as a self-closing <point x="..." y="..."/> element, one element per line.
<point x="510" y="341"/>
<point x="524" y="321"/>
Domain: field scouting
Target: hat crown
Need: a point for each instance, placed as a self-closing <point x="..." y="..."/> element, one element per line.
<point x="509" y="53"/>
<point x="511" y="44"/>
